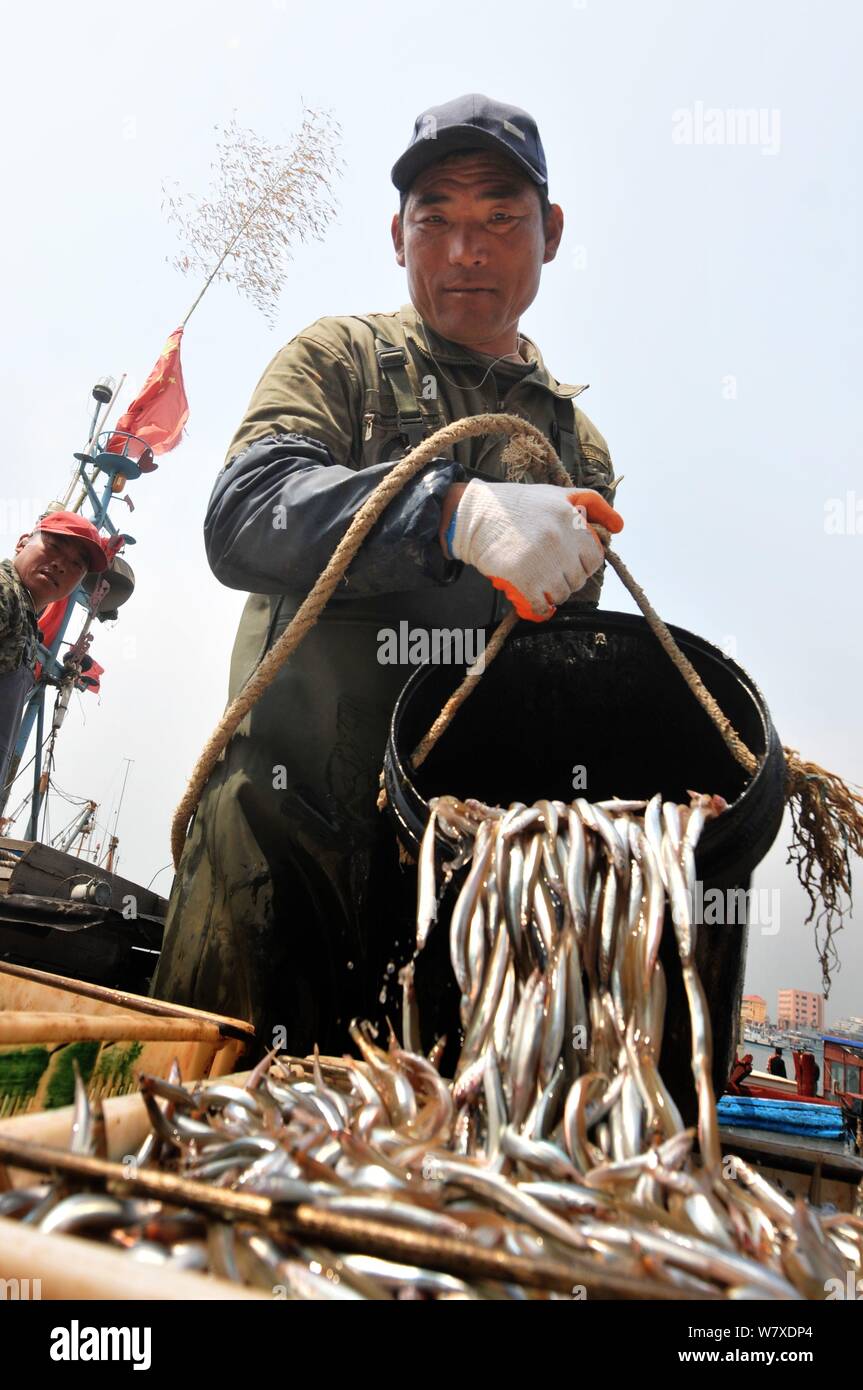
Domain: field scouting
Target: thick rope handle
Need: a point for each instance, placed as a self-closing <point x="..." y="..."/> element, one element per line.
<point x="827" y="812"/>
<point x="319" y="596"/>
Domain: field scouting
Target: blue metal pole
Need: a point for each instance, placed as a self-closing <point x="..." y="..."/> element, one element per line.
<point x="32" y="824"/>
<point x="100" y="505"/>
<point x="28" y="721"/>
<point x="50" y="663"/>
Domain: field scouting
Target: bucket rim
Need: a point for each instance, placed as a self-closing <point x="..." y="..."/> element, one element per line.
<point x="397" y="769"/>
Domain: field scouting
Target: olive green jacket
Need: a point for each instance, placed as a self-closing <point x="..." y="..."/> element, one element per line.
<point x="328" y="418"/>
<point x="19" y="630"/>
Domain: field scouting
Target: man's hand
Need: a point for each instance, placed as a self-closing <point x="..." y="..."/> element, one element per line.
<point x="533" y="541"/>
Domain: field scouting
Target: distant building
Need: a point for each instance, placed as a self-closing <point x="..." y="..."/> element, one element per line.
<point x="800" y="1009"/>
<point x="753" y="1009"/>
<point x="849" y="1026"/>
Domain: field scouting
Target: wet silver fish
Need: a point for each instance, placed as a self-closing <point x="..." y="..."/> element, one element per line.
<point x="557" y="1139"/>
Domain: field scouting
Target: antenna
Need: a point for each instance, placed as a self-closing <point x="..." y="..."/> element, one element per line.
<point x="128" y="762"/>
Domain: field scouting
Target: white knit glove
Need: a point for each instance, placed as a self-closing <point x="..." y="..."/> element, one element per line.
<point x="532" y="540"/>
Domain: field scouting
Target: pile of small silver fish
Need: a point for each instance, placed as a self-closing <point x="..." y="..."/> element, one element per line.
<point x="557" y="1139"/>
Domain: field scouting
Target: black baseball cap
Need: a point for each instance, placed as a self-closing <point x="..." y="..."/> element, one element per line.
<point x="468" y="123"/>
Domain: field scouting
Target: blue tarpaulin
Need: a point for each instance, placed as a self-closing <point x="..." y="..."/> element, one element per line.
<point x="784" y="1116"/>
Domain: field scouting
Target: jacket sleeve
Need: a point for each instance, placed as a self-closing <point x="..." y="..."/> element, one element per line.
<point x="11" y="620"/>
<point x="280" y="509"/>
<point x="293" y="483"/>
<point x="7" y="605"/>
<point x="597" y="470"/>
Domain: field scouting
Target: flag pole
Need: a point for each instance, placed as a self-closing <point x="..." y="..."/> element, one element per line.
<point x="97" y="425"/>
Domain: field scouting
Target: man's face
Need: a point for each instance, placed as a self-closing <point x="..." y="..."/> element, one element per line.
<point x="50" y="566"/>
<point x="473" y="242"/>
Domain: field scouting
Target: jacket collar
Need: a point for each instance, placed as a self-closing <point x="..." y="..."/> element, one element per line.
<point x="24" y="593"/>
<point x="432" y="346"/>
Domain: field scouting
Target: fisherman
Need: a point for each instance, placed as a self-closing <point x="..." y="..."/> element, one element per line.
<point x="284" y="906"/>
<point x="49" y="564"/>
<point x="776" y="1064"/>
<point x="740" y="1069"/>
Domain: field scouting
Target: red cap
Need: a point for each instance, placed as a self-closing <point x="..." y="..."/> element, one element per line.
<point x="83" y="531"/>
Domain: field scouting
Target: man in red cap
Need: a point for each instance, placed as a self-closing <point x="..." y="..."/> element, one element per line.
<point x="48" y="564"/>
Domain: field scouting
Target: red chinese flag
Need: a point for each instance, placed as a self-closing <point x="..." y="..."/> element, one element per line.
<point x="160" y="410"/>
<point x="50" y="620"/>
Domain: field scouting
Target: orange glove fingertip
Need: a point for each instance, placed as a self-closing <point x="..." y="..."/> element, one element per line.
<point x="597" y="510"/>
<point x="520" y="603"/>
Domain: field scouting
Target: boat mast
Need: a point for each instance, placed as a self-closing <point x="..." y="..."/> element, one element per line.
<point x="113" y="842"/>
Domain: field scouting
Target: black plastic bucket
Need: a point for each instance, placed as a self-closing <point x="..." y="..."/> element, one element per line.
<point x="596" y="691"/>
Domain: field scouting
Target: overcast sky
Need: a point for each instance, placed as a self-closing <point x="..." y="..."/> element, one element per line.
<point x="708" y="291"/>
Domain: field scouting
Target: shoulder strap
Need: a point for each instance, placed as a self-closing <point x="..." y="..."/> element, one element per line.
<point x="392" y="359"/>
<point x="566" y="438"/>
<point x="392" y="362"/>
